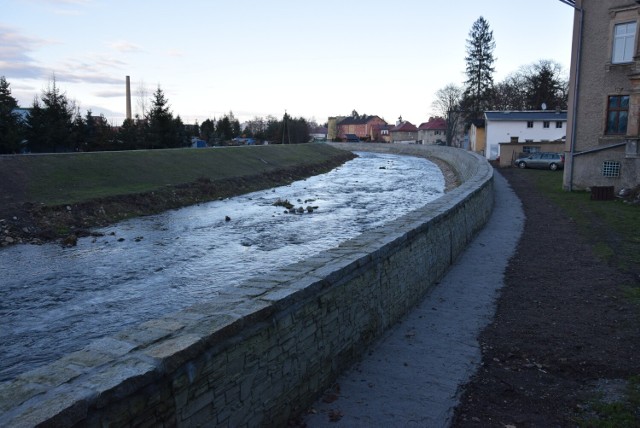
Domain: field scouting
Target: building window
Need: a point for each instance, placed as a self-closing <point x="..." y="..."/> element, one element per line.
<point x="530" y="124"/>
<point x="611" y="169"/>
<point x="545" y="124"/>
<point x="617" y="114"/>
<point x="559" y="125"/>
<point x="530" y="149"/>
<point x="624" y="38"/>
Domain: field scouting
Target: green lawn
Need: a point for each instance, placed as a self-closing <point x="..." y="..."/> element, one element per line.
<point x="54" y="179"/>
<point x="613" y="227"/>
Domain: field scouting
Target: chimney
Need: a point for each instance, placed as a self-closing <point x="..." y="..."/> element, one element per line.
<point x="128" y="98"/>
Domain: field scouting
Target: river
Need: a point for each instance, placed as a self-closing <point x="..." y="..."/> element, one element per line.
<point x="56" y="300"/>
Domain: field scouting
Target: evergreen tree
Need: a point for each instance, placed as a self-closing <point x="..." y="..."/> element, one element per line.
<point x="228" y="127"/>
<point x="223" y="129"/>
<point x="130" y="134"/>
<point x="207" y="131"/>
<point x="479" y="70"/>
<point x="11" y="129"/>
<point x="161" y="132"/>
<point x="180" y="133"/>
<point x="50" y="124"/>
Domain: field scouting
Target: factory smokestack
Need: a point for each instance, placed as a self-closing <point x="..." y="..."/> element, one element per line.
<point x="128" y="98"/>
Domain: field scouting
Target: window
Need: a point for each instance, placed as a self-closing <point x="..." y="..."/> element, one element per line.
<point x="559" y="125"/>
<point x="545" y="124"/>
<point x="530" y="124"/>
<point x="531" y="149"/>
<point x="611" y="169"/>
<point x="617" y="114"/>
<point x="624" y="37"/>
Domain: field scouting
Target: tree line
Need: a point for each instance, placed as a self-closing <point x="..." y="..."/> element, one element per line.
<point x="54" y="124"/>
<point x="537" y="86"/>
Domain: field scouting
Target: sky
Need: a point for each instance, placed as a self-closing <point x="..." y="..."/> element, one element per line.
<point x="310" y="58"/>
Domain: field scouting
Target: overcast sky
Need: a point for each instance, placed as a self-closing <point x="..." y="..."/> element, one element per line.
<point x="256" y="58"/>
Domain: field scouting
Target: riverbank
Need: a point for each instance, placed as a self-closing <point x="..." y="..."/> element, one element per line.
<point x="562" y="348"/>
<point x="60" y="197"/>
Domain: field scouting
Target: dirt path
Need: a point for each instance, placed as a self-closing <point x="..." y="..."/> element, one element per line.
<point x="563" y="327"/>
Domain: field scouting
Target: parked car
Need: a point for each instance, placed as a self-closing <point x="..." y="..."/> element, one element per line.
<point x="543" y="160"/>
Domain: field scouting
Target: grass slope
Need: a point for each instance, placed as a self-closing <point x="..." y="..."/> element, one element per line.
<point x="611" y="226"/>
<point x="55" y="179"/>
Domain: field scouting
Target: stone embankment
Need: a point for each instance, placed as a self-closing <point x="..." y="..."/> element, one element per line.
<point x="263" y="351"/>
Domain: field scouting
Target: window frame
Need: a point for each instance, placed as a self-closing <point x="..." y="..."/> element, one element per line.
<point x="615" y="130"/>
<point x="546" y="124"/>
<point x="611" y="168"/>
<point x="627" y="52"/>
<point x="529" y="124"/>
<point x="559" y="124"/>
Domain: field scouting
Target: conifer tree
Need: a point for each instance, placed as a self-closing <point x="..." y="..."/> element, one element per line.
<point x="50" y="121"/>
<point x="479" y="83"/>
<point x="10" y="123"/>
<point x="161" y="126"/>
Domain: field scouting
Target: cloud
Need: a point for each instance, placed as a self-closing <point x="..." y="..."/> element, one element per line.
<point x="16" y="61"/>
<point x="125" y="47"/>
<point x="15" y="54"/>
<point x="110" y="94"/>
<point x="175" y="53"/>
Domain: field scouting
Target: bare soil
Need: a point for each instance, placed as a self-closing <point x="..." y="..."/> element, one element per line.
<point x="564" y="327"/>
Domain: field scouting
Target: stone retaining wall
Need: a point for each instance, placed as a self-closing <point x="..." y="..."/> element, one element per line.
<point x="263" y="351"/>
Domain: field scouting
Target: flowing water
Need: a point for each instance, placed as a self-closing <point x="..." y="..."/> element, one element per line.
<point x="56" y="300"/>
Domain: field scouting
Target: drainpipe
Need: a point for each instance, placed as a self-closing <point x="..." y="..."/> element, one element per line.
<point x="572" y="146"/>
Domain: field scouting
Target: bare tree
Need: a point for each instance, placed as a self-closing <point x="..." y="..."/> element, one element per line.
<point x="447" y="105"/>
<point x="142" y="94"/>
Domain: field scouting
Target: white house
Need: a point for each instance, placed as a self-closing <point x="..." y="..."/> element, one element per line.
<point x="522" y="127"/>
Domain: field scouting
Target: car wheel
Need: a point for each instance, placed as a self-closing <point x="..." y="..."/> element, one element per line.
<point x="553" y="166"/>
<point x="522" y="165"/>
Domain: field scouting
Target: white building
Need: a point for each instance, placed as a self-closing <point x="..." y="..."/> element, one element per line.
<point x="522" y="127"/>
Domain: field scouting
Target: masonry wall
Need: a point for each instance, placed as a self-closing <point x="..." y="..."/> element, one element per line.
<point x="263" y="351"/>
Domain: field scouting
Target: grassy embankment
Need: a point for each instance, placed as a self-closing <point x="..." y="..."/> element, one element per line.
<point x="611" y="226"/>
<point x="46" y="197"/>
<point x="77" y="177"/>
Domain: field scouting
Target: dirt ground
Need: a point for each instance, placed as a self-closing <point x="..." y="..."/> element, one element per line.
<point x="564" y="331"/>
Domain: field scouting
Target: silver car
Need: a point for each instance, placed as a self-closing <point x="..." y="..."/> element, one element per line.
<point x="543" y="160"/>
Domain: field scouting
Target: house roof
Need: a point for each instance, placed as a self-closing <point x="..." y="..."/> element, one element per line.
<point x="404" y="127"/>
<point x="434" y="123"/>
<point x="551" y="115"/>
<point x="361" y="120"/>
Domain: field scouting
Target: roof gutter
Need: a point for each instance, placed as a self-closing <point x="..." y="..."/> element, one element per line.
<point x="574" y="113"/>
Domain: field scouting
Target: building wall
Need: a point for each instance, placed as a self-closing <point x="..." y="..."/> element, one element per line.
<point x="597" y="80"/>
<point x="431" y="136"/>
<point x="478" y="140"/>
<point x="402" y="137"/>
<point x="365" y="131"/>
<point x="512" y="151"/>
<point x="267" y="349"/>
<point x="503" y="131"/>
